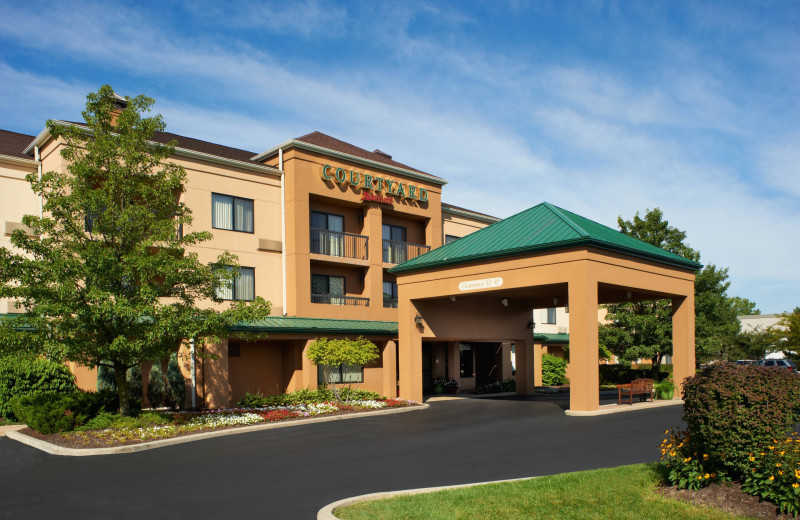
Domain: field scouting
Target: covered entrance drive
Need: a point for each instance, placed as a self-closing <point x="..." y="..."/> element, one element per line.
<point x="483" y="287"/>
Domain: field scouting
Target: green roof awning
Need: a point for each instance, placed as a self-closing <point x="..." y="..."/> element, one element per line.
<point x="11" y="317"/>
<point x="541" y="228"/>
<point x="298" y="325"/>
<point x="552" y="338"/>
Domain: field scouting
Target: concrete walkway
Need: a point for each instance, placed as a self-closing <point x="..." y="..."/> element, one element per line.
<point x="10" y="428"/>
<point x="291" y="473"/>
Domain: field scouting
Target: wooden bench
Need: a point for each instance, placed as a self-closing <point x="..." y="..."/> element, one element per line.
<point x="641" y="387"/>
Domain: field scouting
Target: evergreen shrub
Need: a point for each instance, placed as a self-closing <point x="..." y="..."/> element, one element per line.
<point x="155" y="387"/>
<point x="554" y="370"/>
<point x="506" y="385"/>
<point x="53" y="413"/>
<point x="22" y="375"/>
<point x="176" y="384"/>
<point x="135" y="387"/>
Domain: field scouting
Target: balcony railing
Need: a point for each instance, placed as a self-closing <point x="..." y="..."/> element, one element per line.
<point x="337" y="243"/>
<point x="399" y="252"/>
<point x="390" y="302"/>
<point x="338" y="299"/>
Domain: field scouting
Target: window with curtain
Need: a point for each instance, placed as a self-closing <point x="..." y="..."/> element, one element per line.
<point x="327" y="233"/>
<point x="242" y="288"/>
<point x="232" y="213"/>
<point x="394" y="246"/>
<point x="549" y="316"/>
<point x="390" y="294"/>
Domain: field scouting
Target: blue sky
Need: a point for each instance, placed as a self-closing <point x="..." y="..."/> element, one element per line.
<point x="602" y="108"/>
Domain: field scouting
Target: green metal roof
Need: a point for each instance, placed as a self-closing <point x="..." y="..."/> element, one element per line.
<point x="298" y="325"/>
<point x="10" y="317"/>
<point x="541" y="228"/>
<point x="551" y="338"/>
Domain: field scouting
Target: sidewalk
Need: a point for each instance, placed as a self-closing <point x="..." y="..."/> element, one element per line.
<point x="10" y="428"/>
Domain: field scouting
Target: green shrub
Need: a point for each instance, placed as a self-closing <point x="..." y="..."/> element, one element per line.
<point x="553" y="370"/>
<point x="176" y="384"/>
<point x="22" y="375"/>
<point x="135" y="387"/>
<point x="155" y="387"/>
<point x="775" y="474"/>
<point x="105" y="379"/>
<point x="506" y="385"/>
<point x="304" y="397"/>
<point x="665" y="389"/>
<point x="53" y="413"/>
<point x="732" y="411"/>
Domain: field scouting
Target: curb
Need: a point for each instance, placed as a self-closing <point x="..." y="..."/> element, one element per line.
<point x="326" y="513"/>
<point x="10" y="428"/>
<point x="54" y="449"/>
<point x="622" y="408"/>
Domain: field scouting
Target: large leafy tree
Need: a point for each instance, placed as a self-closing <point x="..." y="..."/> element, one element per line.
<point x="106" y="277"/>
<point x="791" y="334"/>
<point x="643" y="330"/>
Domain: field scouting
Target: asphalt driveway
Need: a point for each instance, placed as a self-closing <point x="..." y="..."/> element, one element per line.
<point x="290" y="473"/>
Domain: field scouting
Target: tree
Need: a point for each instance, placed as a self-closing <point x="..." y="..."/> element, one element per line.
<point x="754" y="344"/>
<point x="744" y="307"/>
<point x="335" y="354"/>
<point x="106" y="278"/>
<point x="175" y="383"/>
<point x="644" y="329"/>
<point x="791" y="334"/>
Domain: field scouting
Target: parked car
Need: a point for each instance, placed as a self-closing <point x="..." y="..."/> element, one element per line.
<point x="746" y="362"/>
<point x="778" y="363"/>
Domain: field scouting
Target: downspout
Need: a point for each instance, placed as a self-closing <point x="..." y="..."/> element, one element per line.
<point x="194" y="374"/>
<point x="39" y="169"/>
<point x="283" y="225"/>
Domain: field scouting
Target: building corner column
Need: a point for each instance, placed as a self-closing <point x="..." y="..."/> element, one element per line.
<point x="584" y="392"/>
<point x="683" y="340"/>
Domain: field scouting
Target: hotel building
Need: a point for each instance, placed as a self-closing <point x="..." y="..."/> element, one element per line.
<point x="333" y="235"/>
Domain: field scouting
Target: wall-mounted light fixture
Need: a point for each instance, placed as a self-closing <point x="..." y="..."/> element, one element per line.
<point x="531" y="325"/>
<point x="555" y="302"/>
<point x="566" y="308"/>
<point x="453" y="299"/>
<point x="504" y="302"/>
<point x="629" y="295"/>
<point x="418" y="320"/>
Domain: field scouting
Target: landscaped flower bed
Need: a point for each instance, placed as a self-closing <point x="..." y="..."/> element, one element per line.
<point x="151" y="426"/>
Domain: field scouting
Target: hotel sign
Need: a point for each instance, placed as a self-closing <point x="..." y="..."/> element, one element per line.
<point x="486" y="283"/>
<point x="388" y="188"/>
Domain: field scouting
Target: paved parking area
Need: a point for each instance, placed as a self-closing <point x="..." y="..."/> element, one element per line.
<point x="290" y="473"/>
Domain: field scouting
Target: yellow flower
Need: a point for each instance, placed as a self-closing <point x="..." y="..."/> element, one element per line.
<point x="705" y="456"/>
<point x="699" y="477"/>
<point x="797" y="473"/>
<point x="752" y="459"/>
<point x="771" y="477"/>
<point x="713" y="475"/>
<point x="778" y="465"/>
<point x="795" y="485"/>
<point x="672" y="454"/>
<point x="687" y="459"/>
<point x="780" y="472"/>
<point x="707" y="475"/>
<point x="772" y="447"/>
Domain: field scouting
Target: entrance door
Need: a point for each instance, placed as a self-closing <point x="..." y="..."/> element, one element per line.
<point x="427" y="367"/>
<point x="488" y="357"/>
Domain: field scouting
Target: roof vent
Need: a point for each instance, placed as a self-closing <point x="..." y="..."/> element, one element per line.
<point x="383" y="154"/>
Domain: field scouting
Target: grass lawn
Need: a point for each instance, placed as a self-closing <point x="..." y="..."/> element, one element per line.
<point x="626" y="492"/>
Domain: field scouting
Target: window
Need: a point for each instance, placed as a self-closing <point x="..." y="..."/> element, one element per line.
<point x="242" y="288"/>
<point x="342" y="374"/>
<point x="327" y="233"/>
<point x="394" y="246"/>
<point x="327" y="289"/>
<point x="390" y="294"/>
<point x="234" y="349"/>
<point x="231" y="213"/>
<point x="549" y="316"/>
<point x="450" y="238"/>
<point x="467" y="367"/>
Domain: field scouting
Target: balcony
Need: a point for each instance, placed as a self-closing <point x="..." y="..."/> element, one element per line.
<point x="390" y="303"/>
<point x="339" y="244"/>
<point x="338" y="299"/>
<point x="399" y="252"/>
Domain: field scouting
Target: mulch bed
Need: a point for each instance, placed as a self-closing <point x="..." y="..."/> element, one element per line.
<point x="88" y="442"/>
<point x="726" y="497"/>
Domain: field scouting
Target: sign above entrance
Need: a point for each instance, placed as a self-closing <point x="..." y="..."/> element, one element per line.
<point x="388" y="187"/>
<point x="486" y="283"/>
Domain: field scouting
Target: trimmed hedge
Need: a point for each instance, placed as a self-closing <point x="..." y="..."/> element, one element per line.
<point x="22" y="375"/>
<point x="620" y="374"/>
<point x="304" y="397"/>
<point x="506" y="385"/>
<point x="733" y="411"/>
